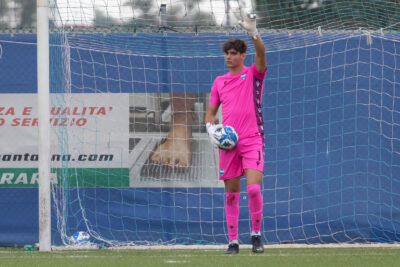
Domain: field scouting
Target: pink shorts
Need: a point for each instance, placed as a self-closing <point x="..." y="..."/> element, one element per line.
<point x="248" y="154"/>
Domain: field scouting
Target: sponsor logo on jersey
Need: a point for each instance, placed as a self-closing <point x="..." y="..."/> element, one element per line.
<point x="221" y="172"/>
<point x="243" y="76"/>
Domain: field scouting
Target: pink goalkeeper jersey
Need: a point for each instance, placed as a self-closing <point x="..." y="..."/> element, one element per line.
<point x="241" y="97"/>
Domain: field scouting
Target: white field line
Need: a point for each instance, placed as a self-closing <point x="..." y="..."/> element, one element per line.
<point x="188" y="256"/>
<point x="215" y="247"/>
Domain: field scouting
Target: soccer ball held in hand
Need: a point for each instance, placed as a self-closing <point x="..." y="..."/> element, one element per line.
<point x="227" y="137"/>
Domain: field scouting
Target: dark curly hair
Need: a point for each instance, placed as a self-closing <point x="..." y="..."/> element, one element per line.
<point x="237" y="44"/>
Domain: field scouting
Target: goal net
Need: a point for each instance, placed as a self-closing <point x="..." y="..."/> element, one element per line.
<point x="133" y="85"/>
<point x="130" y="83"/>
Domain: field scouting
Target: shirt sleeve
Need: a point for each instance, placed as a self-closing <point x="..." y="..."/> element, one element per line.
<point x="214" y="96"/>
<point x="257" y="73"/>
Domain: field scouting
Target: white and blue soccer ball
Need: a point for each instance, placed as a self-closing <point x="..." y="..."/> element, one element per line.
<point x="227" y="137"/>
<point x="80" y="239"/>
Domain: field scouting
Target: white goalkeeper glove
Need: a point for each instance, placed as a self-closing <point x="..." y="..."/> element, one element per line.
<point x="249" y="24"/>
<point x="211" y="128"/>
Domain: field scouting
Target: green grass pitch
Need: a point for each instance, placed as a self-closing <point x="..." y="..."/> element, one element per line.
<point x="306" y="257"/>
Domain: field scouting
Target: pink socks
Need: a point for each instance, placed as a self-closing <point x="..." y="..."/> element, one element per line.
<point x="232" y="214"/>
<point x="255" y="206"/>
<point x="232" y="210"/>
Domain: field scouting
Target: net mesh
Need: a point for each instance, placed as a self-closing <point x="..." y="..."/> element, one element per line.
<point x="131" y="73"/>
<point x="329" y="107"/>
<point x="286" y="15"/>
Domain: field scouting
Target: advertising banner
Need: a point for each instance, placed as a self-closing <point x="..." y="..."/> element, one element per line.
<point x="88" y="131"/>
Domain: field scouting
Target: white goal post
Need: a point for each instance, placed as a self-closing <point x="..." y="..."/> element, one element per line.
<point x="44" y="125"/>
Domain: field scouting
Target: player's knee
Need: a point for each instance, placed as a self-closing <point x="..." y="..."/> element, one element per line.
<point x="231" y="198"/>
<point x="253" y="191"/>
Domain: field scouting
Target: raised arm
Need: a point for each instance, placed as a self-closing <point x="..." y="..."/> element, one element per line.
<point x="260" y="58"/>
<point x="249" y="24"/>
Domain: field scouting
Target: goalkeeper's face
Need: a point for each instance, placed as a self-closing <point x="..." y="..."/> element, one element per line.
<point x="234" y="59"/>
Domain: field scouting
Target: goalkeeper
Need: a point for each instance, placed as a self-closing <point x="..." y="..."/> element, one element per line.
<point x="240" y="93"/>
